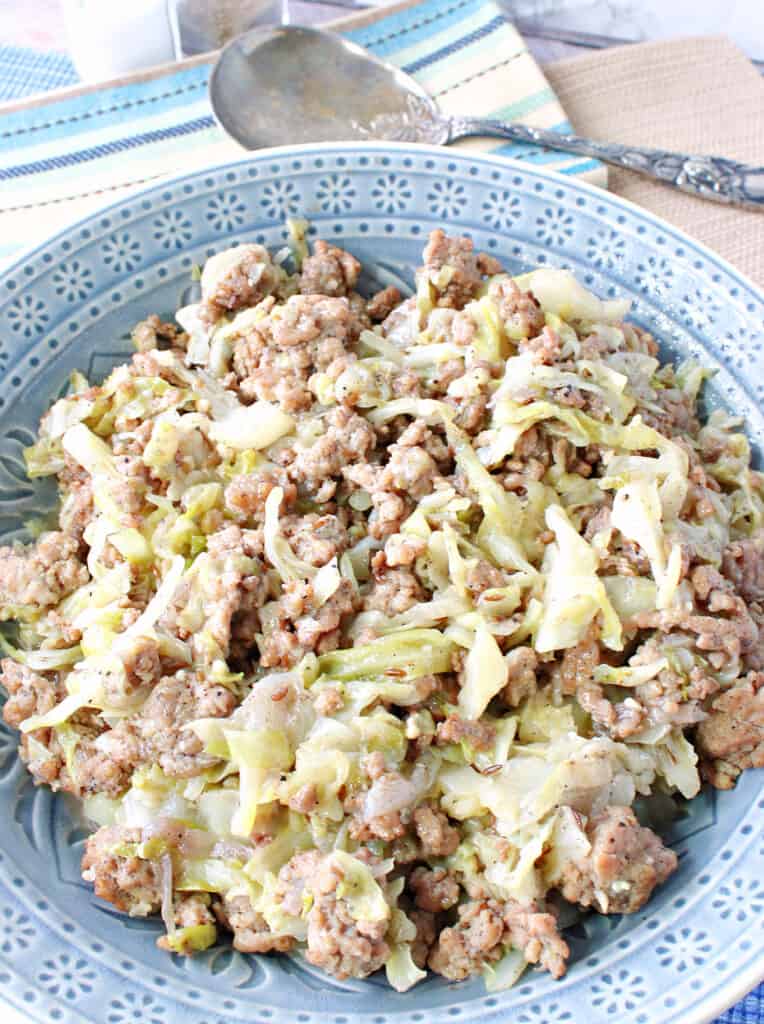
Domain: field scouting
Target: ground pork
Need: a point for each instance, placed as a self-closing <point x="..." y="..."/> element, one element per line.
<point x="76" y="502"/>
<point x="519" y="310"/>
<point x="132" y="884"/>
<point x="454" y="269"/>
<point x="579" y="662"/>
<point x="329" y="271"/>
<point x="483" y="576"/>
<point x="732" y="737"/>
<point x="387" y="827"/>
<point x="393" y="591"/>
<point x="143" y="665"/>
<point x="337" y="942"/>
<point x="280" y="351"/>
<point x="191" y="910"/>
<point x="474" y="941"/>
<point x="315" y="539"/>
<point x="156" y="734"/>
<point x="743" y="565"/>
<point x="234" y="587"/>
<point x="724" y="630"/>
<point x="381" y="305"/>
<point x="247" y="493"/>
<point x="403" y="550"/>
<point x="389" y="508"/>
<point x="434" y="890"/>
<point x="297" y="623"/>
<point x="153" y="333"/>
<point x="625" y="863"/>
<point x="521" y="679"/>
<point x="239" y="277"/>
<point x="348" y="439"/>
<point x="437" y="836"/>
<point x="41" y="575"/>
<point x="545" y="347"/>
<point x="410" y="474"/>
<point x="426" y="934"/>
<point x="329" y="701"/>
<point x="533" y="931"/>
<point x="29" y="693"/>
<point x="250" y="931"/>
<point x="455" y="729"/>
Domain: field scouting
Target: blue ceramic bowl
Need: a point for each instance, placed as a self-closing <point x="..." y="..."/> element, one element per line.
<point x="66" y="958"/>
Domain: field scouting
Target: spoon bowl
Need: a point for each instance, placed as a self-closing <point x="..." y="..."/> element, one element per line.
<point x="286" y="85"/>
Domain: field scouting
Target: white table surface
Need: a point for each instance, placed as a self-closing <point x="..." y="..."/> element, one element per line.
<point x="39" y="24"/>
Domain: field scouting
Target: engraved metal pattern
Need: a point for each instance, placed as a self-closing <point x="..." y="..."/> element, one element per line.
<point x="710" y="177"/>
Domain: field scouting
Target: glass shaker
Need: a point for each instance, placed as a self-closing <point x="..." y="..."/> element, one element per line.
<point x="199" y="26"/>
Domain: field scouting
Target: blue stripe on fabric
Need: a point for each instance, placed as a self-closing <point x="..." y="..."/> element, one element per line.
<point x="458" y="44"/>
<point x="536" y="155"/>
<point x="24" y="71"/>
<point x="106" y="149"/>
<point x="66" y="118"/>
<point x="416" y="25"/>
<point x="587" y="165"/>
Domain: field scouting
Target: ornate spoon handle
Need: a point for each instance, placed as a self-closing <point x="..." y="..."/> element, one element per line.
<point x="712" y="177"/>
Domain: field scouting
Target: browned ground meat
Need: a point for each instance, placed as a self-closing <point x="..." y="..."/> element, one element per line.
<point x="438" y="838"/>
<point x="474" y="941"/>
<point x="393" y="591"/>
<point x="298" y="623"/>
<point x="247" y="494"/>
<point x="454" y="261"/>
<point x="239" y="277"/>
<point x="519" y="310"/>
<point x="381" y="305"/>
<point x="743" y="565"/>
<point x="250" y="931"/>
<point x="534" y="931"/>
<point x="626" y="862"/>
<point x="153" y="333"/>
<point x="29" y="693"/>
<point x="39" y="576"/>
<point x="426" y="933"/>
<point x="329" y="271"/>
<point x="337" y="942"/>
<point x="732" y="737"/>
<point x="191" y="911"/>
<point x="129" y="882"/>
<point x="434" y="890"/>
<point x="521" y="678"/>
<point x="403" y="550"/>
<point x="156" y="735"/>
<point x="348" y="439"/>
<point x="315" y="539"/>
<point x="455" y="729"/>
<point x="280" y="352"/>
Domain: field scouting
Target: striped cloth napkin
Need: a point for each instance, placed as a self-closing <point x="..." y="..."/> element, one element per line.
<point x="61" y="157"/>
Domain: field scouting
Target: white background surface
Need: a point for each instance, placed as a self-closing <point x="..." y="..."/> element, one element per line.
<point x="743" y="20"/>
<point x="40" y="24"/>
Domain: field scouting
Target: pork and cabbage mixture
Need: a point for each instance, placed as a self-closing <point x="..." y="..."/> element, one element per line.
<point x="365" y="622"/>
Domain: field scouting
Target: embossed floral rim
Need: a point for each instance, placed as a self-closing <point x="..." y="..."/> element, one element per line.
<point x="612" y="988"/>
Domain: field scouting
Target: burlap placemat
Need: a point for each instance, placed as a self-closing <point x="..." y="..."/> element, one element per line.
<point x="692" y="95"/>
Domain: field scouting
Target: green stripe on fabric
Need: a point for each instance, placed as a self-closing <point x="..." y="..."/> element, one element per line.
<point x="527" y="105"/>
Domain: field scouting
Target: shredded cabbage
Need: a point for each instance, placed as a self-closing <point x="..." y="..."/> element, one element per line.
<point x="574" y="594"/>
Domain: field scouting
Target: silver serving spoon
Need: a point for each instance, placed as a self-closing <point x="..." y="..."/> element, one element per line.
<point x="279" y="86"/>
